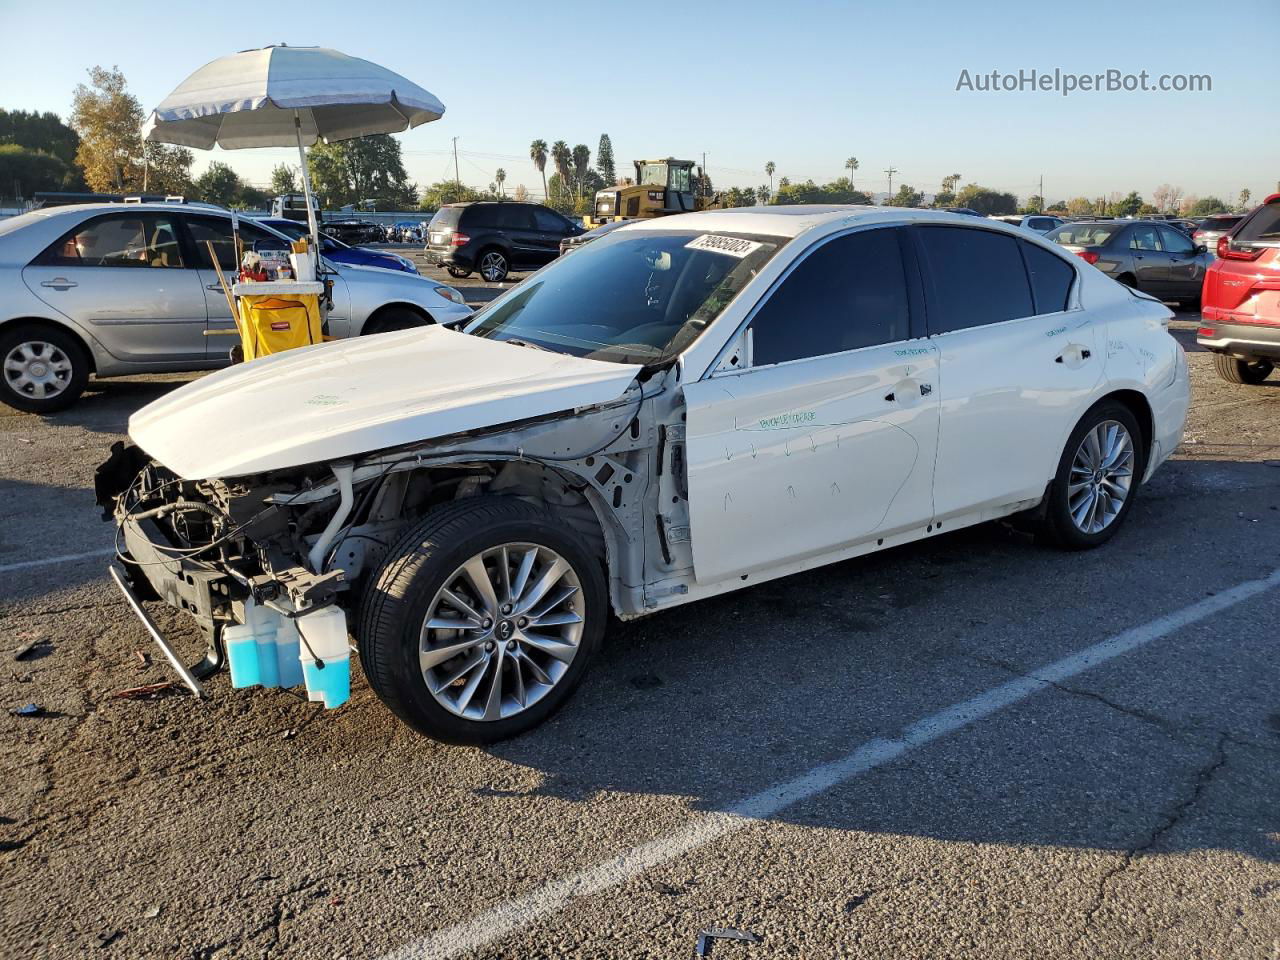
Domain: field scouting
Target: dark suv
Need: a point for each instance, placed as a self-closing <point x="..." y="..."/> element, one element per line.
<point x="495" y="238"/>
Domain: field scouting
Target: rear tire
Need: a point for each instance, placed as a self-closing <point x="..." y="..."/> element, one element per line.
<point x="43" y="368"/>
<point x="1097" y="480"/>
<point x="1232" y="370"/>
<point x="396" y="318"/>
<point x="426" y="580"/>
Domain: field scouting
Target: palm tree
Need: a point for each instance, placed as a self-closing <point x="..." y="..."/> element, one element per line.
<point x="562" y="157"/>
<point x="763" y="194"/>
<point x="852" y="166"/>
<point x="769" y="168"/>
<point x="538" y="154"/>
<point x="499" y="177"/>
<point x="581" y="165"/>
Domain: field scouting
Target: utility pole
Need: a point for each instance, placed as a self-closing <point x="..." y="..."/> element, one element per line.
<point x="891" y="171"/>
<point x="1041" y="194"/>
<point x="457" y="178"/>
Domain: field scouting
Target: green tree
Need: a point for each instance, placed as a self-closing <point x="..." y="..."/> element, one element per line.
<point x="943" y="199"/>
<point x="1206" y="206"/>
<point x="364" y="168"/>
<point x="769" y="167"/>
<point x="738" y="197"/>
<point x="284" y="179"/>
<point x="906" y="197"/>
<point x="23" y="171"/>
<point x="1125" y="206"/>
<point x="500" y="177"/>
<point x="949" y="185"/>
<point x="562" y="158"/>
<point x="986" y="201"/>
<point x="108" y="120"/>
<point x="604" y="160"/>
<point x="763" y="194"/>
<point x="219" y="184"/>
<point x="852" y="166"/>
<point x="44" y="133"/>
<point x="581" y="164"/>
<point x="1034" y="204"/>
<point x="447" y="191"/>
<point x="1080" y="207"/>
<point x="168" y="170"/>
<point x="838" y="191"/>
<point x="538" y="154"/>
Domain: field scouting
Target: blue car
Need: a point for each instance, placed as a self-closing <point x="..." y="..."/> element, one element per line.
<point x="340" y="252"/>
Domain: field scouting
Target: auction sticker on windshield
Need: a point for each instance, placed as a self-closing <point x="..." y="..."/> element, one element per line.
<point x="733" y="246"/>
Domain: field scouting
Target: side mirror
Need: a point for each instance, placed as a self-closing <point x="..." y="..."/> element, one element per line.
<point x="1201" y="248"/>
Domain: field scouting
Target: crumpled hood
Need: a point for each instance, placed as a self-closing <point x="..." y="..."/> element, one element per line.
<point x="356" y="396"/>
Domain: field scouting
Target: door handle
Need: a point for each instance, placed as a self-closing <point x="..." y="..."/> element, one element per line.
<point x="890" y="397"/>
<point x="216" y="287"/>
<point x="59" y="283"/>
<point x="926" y="389"/>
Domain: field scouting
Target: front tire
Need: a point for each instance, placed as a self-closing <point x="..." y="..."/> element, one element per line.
<point x="1097" y="478"/>
<point x="43" y="369"/>
<point x="1232" y="370"/>
<point x="482" y="620"/>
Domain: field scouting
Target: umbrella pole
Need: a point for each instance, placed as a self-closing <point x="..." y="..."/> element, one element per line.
<point x="306" y="191"/>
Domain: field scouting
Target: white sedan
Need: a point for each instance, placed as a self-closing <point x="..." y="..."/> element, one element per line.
<point x="688" y="406"/>
<point x="113" y="289"/>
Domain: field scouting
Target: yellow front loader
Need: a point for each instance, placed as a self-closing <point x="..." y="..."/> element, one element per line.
<point x="661" y="187"/>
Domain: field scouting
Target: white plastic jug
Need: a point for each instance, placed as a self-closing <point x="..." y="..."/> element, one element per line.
<point x="325" y="655"/>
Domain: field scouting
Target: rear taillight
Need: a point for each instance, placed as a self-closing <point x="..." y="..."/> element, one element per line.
<point x="1226" y="253"/>
<point x="1206" y="332"/>
<point x="1088" y="256"/>
<point x="459" y="239"/>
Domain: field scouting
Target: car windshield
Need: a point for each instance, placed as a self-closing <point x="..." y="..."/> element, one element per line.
<point x="637" y="296"/>
<point x="1083" y="234"/>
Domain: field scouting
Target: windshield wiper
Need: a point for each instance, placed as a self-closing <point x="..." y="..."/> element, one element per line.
<point x="531" y="346"/>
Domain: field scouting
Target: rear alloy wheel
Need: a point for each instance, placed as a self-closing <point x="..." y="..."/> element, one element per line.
<point x="482" y="620"/>
<point x="1097" y="478"/>
<point x="42" y="369"/>
<point x="1233" y="370"/>
<point x="494" y="266"/>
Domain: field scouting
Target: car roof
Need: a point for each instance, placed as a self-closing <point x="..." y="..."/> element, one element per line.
<point x="791" y="220"/>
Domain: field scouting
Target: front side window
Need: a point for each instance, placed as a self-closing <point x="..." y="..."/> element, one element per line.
<point x="548" y="221"/>
<point x="218" y="230"/>
<point x="1175" y="242"/>
<point x="638" y="296"/>
<point x="1144" y="237"/>
<point x="123" y="240"/>
<point x="977" y="276"/>
<point x="850" y="292"/>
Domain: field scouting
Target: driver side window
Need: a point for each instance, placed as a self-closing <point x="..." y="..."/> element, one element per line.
<point x="218" y="230"/>
<point x="850" y="292"/>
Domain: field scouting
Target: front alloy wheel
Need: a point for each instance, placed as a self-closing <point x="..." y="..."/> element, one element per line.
<point x="482" y="619"/>
<point x="502" y="631"/>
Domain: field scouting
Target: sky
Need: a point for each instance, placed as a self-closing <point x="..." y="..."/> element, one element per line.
<point x="804" y="84"/>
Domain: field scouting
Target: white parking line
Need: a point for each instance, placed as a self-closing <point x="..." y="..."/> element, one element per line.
<point x="47" y="561"/>
<point x="512" y="915"/>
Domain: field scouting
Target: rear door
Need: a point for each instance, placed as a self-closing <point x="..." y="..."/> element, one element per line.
<point x="1015" y="363"/>
<point x="201" y="230"/>
<point x="1151" y="264"/>
<point x="827" y="439"/>
<point x="122" y="275"/>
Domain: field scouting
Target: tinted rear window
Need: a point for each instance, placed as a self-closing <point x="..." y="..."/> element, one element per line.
<point x="1051" y="278"/>
<point x="1220" y="223"/>
<point x="978" y="278"/>
<point x="446" y="218"/>
<point x="1263" y="224"/>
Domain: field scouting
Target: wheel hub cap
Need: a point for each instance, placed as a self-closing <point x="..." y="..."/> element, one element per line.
<point x="37" y="369"/>
<point x="1101" y="476"/>
<point x="501" y="632"/>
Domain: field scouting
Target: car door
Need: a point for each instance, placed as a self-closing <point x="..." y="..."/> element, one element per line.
<point x="827" y="438"/>
<point x="1150" y="262"/>
<point x="1016" y="360"/>
<point x="203" y="229"/>
<point x="122" y="276"/>
<point x="515" y="220"/>
<point x="550" y="229"/>
<point x="1186" y="264"/>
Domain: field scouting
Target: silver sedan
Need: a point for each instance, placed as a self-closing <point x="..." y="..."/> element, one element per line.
<point x="116" y="289"/>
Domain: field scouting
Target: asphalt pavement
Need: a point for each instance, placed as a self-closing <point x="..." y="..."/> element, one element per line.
<point x="972" y="746"/>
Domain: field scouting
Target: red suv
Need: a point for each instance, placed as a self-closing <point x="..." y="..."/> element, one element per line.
<point x="1240" y="302"/>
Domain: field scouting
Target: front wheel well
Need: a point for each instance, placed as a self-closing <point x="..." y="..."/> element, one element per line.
<point x="382" y="319"/>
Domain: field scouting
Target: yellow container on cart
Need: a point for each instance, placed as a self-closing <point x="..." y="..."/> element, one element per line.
<point x="278" y="315"/>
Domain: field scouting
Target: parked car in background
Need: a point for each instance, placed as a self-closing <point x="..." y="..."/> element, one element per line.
<point x="112" y="290"/>
<point x="1144" y="254"/>
<point x="1036" y="222"/>
<point x="693" y="405"/>
<point x="1240" y="310"/>
<point x="1189" y="227"/>
<point x="575" y="240"/>
<point x="340" y="252"/>
<point x="1212" y="229"/>
<point x="407" y="231"/>
<point x="496" y="238"/>
<point x="354" y="231"/>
